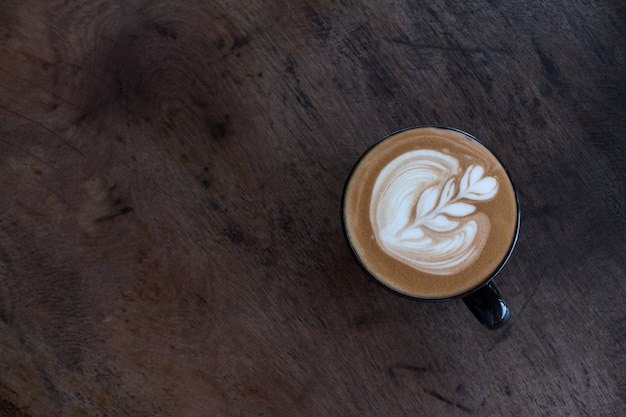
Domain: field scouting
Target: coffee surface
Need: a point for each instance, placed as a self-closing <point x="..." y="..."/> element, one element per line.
<point x="430" y="212"/>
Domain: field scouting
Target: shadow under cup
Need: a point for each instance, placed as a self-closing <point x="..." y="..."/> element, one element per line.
<point x="431" y="213"/>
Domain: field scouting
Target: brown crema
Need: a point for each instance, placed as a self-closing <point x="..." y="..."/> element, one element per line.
<point x="501" y="210"/>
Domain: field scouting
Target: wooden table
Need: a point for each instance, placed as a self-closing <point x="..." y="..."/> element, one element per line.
<point x="171" y="175"/>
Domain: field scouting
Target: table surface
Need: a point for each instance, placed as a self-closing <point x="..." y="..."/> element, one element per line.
<point x="170" y="185"/>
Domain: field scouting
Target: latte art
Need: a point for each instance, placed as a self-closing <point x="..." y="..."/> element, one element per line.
<point x="430" y="212"/>
<point x="423" y="211"/>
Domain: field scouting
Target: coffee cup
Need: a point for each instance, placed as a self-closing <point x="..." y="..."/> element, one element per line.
<point x="431" y="213"/>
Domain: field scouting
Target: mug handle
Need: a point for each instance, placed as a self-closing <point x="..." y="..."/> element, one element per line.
<point x="488" y="306"/>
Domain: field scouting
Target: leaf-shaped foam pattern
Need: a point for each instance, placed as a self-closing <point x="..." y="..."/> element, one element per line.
<point x="447" y="193"/>
<point x="422" y="212"/>
<point x="441" y="223"/>
<point x="482" y="190"/>
<point x="458" y="209"/>
<point x="427" y="202"/>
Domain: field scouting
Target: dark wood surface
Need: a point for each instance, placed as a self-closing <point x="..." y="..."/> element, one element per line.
<point x="170" y="184"/>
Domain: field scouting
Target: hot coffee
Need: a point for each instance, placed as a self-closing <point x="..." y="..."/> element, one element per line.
<point x="430" y="212"/>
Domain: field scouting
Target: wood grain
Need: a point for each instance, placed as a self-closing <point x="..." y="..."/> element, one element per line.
<point x="170" y="185"/>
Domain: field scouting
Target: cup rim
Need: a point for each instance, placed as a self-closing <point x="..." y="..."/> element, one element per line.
<point x="491" y="276"/>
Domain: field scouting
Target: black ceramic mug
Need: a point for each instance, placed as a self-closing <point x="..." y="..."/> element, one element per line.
<point x="432" y="213"/>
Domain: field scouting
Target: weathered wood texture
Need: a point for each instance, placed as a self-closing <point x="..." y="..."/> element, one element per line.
<point x="170" y="184"/>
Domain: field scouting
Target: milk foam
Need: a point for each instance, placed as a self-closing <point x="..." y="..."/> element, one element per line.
<point x="423" y="211"/>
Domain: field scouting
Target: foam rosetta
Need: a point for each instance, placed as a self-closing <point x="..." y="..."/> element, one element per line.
<point x="423" y="211"/>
